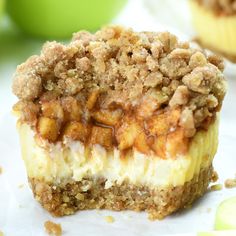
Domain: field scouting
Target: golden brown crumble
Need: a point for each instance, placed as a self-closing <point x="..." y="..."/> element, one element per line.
<point x="117" y="87"/>
<point x="1" y="233"/>
<point x="214" y="176"/>
<point x="220" y="7"/>
<point x="53" y="228"/>
<point x="1" y="170"/>
<point x="230" y="183"/>
<point x="66" y="199"/>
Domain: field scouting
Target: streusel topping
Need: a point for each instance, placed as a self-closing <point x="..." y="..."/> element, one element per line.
<point x="145" y="83"/>
<point x="220" y="7"/>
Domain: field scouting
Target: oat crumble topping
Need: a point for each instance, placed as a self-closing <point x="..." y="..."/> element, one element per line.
<point x="116" y="81"/>
<point x="220" y="7"/>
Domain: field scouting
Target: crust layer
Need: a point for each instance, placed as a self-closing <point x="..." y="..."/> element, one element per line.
<point x="66" y="199"/>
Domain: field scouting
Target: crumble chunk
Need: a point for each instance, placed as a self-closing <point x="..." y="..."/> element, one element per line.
<point x="230" y="183"/>
<point x="53" y="228"/>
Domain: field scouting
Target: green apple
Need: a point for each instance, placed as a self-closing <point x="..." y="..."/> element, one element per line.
<point x="226" y="215"/>
<point x="218" y="233"/>
<point x="60" y="18"/>
<point x="1" y="7"/>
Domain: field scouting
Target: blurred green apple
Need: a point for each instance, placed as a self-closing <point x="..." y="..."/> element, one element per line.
<point x="1" y="7"/>
<point x="60" y="18"/>
<point x="226" y="215"/>
<point x="218" y="233"/>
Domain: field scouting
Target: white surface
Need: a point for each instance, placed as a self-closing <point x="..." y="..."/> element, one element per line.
<point x="21" y="215"/>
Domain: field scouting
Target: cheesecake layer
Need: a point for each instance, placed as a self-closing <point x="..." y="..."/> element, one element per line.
<point x="215" y="31"/>
<point x="69" y="160"/>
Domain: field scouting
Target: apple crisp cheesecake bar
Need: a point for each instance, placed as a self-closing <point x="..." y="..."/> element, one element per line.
<point x="119" y="120"/>
<point x="215" y="25"/>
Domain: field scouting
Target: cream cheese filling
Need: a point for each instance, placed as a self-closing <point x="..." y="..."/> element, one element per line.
<point x="58" y="163"/>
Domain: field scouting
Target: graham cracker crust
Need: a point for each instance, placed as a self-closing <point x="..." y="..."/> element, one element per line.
<point x="66" y="199"/>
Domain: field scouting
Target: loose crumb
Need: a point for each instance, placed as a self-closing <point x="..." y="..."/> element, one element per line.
<point x="53" y="228"/>
<point x="230" y="183"/>
<point x="216" y="187"/>
<point x="109" y="219"/>
<point x="20" y="185"/>
<point x="1" y="170"/>
<point x="208" y="210"/>
<point x="1" y="233"/>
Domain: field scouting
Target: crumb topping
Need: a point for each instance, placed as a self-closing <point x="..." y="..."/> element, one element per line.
<point x="114" y="82"/>
<point x="220" y="7"/>
<point x="53" y="228"/>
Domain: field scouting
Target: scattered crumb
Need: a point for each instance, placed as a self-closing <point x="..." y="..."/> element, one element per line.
<point x="230" y="183"/>
<point x="1" y="170"/>
<point x="53" y="228"/>
<point x="200" y="210"/>
<point x="20" y="185"/>
<point x="216" y="187"/>
<point x="214" y="176"/>
<point x="109" y="219"/>
<point x="208" y="210"/>
<point x="1" y="233"/>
